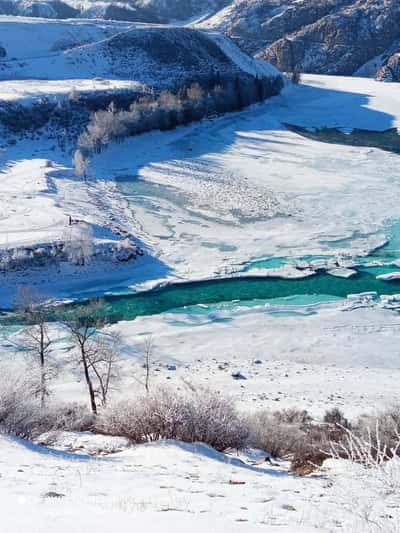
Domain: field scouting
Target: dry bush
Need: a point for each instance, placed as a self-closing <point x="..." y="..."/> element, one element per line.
<point x="195" y="416"/>
<point x="21" y="412"/>
<point x="292" y="433"/>
<point x="29" y="419"/>
<point x="293" y="415"/>
<point x="336" y="417"/>
<point x="388" y="423"/>
<point x="379" y="435"/>
<point x="19" y="388"/>
<point x="273" y="434"/>
<point x="65" y="417"/>
<point x="359" y="449"/>
<point x="214" y="420"/>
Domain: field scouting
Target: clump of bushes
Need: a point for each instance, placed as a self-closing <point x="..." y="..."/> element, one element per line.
<point x="293" y="434"/>
<point x="22" y="414"/>
<point x="196" y="416"/>
<point x="202" y="415"/>
<point x="273" y="433"/>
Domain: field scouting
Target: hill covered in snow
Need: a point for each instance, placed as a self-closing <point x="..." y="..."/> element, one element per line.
<point x="131" y="10"/>
<point x="340" y="37"/>
<point x="154" y="55"/>
<point x="87" y="64"/>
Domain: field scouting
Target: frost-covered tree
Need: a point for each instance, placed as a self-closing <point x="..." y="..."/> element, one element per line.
<point x="195" y="93"/>
<point x="81" y="164"/>
<point x="36" y="338"/>
<point x="78" y="243"/>
<point x="97" y="352"/>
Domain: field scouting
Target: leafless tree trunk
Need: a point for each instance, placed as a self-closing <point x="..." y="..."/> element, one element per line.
<point x="81" y="164"/>
<point x="30" y="304"/>
<point x="82" y="334"/>
<point x="98" y="353"/>
<point x="104" y="364"/>
<point x="148" y="351"/>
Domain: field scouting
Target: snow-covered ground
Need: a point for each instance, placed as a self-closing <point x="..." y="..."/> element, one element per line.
<point x="175" y="487"/>
<point x="28" y="92"/>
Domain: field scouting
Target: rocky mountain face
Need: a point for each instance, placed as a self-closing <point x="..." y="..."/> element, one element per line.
<point x="325" y="36"/>
<point x="257" y="24"/>
<point x="341" y="42"/>
<point x="390" y="70"/>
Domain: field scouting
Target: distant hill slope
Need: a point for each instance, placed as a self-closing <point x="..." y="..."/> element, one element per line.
<point x="75" y="67"/>
<point x="156" y="56"/>
<point x="161" y="11"/>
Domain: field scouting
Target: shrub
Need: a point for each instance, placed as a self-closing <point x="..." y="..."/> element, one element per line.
<point x="381" y="432"/>
<point x="336" y="417"/>
<point x="18" y="392"/>
<point x="272" y="433"/>
<point x="292" y="433"/>
<point x="21" y="413"/>
<point x="293" y="416"/>
<point x="198" y="416"/>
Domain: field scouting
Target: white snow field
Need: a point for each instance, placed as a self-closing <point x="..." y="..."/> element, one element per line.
<point x="173" y="487"/>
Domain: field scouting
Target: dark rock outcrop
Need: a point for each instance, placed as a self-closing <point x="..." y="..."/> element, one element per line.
<point x="390" y="71"/>
<point x="326" y="37"/>
<point x="342" y="42"/>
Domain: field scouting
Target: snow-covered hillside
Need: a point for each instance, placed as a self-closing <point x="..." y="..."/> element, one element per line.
<point x="80" y="50"/>
<point x="176" y="487"/>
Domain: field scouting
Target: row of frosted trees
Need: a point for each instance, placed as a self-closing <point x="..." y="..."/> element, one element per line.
<point x="167" y="110"/>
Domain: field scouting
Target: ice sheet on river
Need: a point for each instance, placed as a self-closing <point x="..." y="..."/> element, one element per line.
<point x="215" y="194"/>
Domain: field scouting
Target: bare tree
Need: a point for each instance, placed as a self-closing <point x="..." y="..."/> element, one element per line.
<point x="148" y="347"/>
<point x="81" y="164"/>
<point x="103" y="362"/>
<point x="195" y="93"/>
<point x="98" y="353"/>
<point x="83" y="329"/>
<point x="31" y="306"/>
<point x="78" y="245"/>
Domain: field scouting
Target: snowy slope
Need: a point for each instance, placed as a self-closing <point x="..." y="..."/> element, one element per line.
<point x="154" y="55"/>
<point x="245" y="62"/>
<point x="47" y="37"/>
<point x="175" y="487"/>
<point x="29" y="211"/>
